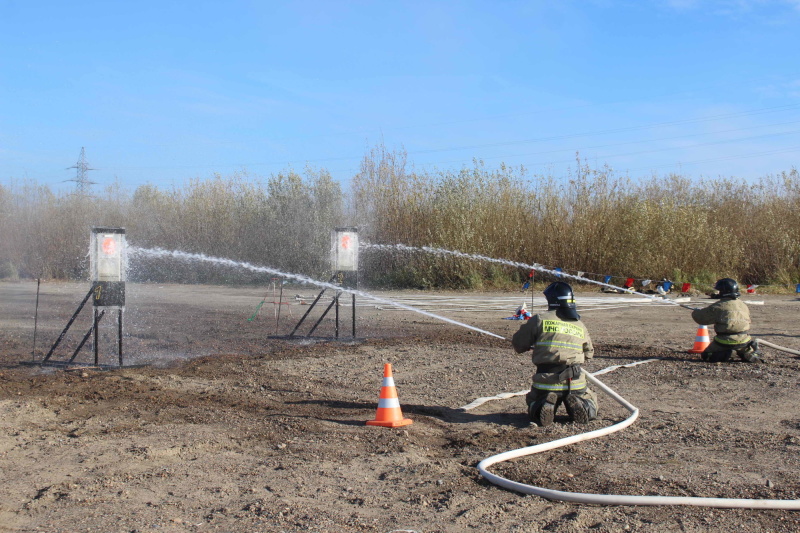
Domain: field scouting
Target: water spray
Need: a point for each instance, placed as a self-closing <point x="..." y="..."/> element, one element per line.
<point x="603" y="499"/>
<point x="540" y="268"/>
<point x="186" y="256"/>
<point x="507" y="262"/>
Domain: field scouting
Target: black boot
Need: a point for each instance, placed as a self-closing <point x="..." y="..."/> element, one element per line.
<point x="752" y="357"/>
<point x="577" y="409"/>
<point x="543" y="411"/>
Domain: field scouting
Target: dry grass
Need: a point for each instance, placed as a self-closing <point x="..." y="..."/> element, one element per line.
<point x="588" y="220"/>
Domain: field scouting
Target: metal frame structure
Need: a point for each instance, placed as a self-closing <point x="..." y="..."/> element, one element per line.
<point x="334" y="304"/>
<point x="108" y="260"/>
<point x="93" y="332"/>
<point x="344" y="264"/>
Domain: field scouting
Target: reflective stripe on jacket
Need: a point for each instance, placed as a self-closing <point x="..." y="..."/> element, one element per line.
<point x="554" y="340"/>
<point x="549" y="382"/>
<point x="732" y="340"/>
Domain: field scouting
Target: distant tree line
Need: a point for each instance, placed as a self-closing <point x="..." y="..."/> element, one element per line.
<point x="590" y="220"/>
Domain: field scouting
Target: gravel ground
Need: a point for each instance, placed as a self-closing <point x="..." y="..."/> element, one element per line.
<point x="221" y="427"/>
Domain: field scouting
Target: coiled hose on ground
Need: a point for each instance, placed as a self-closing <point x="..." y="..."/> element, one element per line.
<point x="615" y="499"/>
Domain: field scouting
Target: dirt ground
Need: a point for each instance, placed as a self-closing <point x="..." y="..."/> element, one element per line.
<point x="219" y="427"/>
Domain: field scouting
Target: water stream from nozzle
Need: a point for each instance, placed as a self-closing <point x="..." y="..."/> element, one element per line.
<point x="539" y="268"/>
<point x="134" y="251"/>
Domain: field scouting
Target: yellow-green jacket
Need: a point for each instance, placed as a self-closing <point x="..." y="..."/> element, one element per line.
<point x="731" y="320"/>
<point x="554" y="340"/>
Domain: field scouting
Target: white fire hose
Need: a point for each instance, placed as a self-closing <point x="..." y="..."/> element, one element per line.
<point x="613" y="499"/>
<point x="781" y="348"/>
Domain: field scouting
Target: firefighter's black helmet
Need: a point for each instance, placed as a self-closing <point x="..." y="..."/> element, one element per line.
<point x="728" y="288"/>
<point x="559" y="297"/>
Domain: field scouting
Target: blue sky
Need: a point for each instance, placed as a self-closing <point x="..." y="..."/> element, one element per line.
<point x="164" y="92"/>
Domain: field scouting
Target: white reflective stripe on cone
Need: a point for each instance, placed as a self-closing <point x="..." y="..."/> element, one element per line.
<point x="388" y="403"/>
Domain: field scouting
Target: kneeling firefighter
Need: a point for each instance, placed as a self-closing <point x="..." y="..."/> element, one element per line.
<point x="731" y="319"/>
<point x="560" y="343"/>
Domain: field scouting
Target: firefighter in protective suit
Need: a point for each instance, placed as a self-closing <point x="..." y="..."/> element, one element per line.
<point x="731" y="319"/>
<point x="560" y="344"/>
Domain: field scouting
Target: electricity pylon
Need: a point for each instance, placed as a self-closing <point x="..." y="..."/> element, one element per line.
<point x="82" y="183"/>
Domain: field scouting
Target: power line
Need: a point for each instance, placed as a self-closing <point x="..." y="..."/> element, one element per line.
<point x="710" y="160"/>
<point x="615" y="130"/>
<point x="611" y="145"/>
<point x="83" y="184"/>
<point x="783" y="108"/>
<point x="725" y="158"/>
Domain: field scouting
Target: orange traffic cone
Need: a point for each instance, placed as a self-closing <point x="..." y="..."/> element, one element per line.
<point x="389" y="414"/>
<point x="702" y="341"/>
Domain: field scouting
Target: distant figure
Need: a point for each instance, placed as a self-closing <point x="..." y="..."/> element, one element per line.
<point x="731" y="319"/>
<point x="522" y="313"/>
<point x="560" y="344"/>
<point x="664" y="287"/>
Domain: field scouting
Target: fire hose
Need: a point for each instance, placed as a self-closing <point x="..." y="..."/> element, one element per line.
<point x="613" y="499"/>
